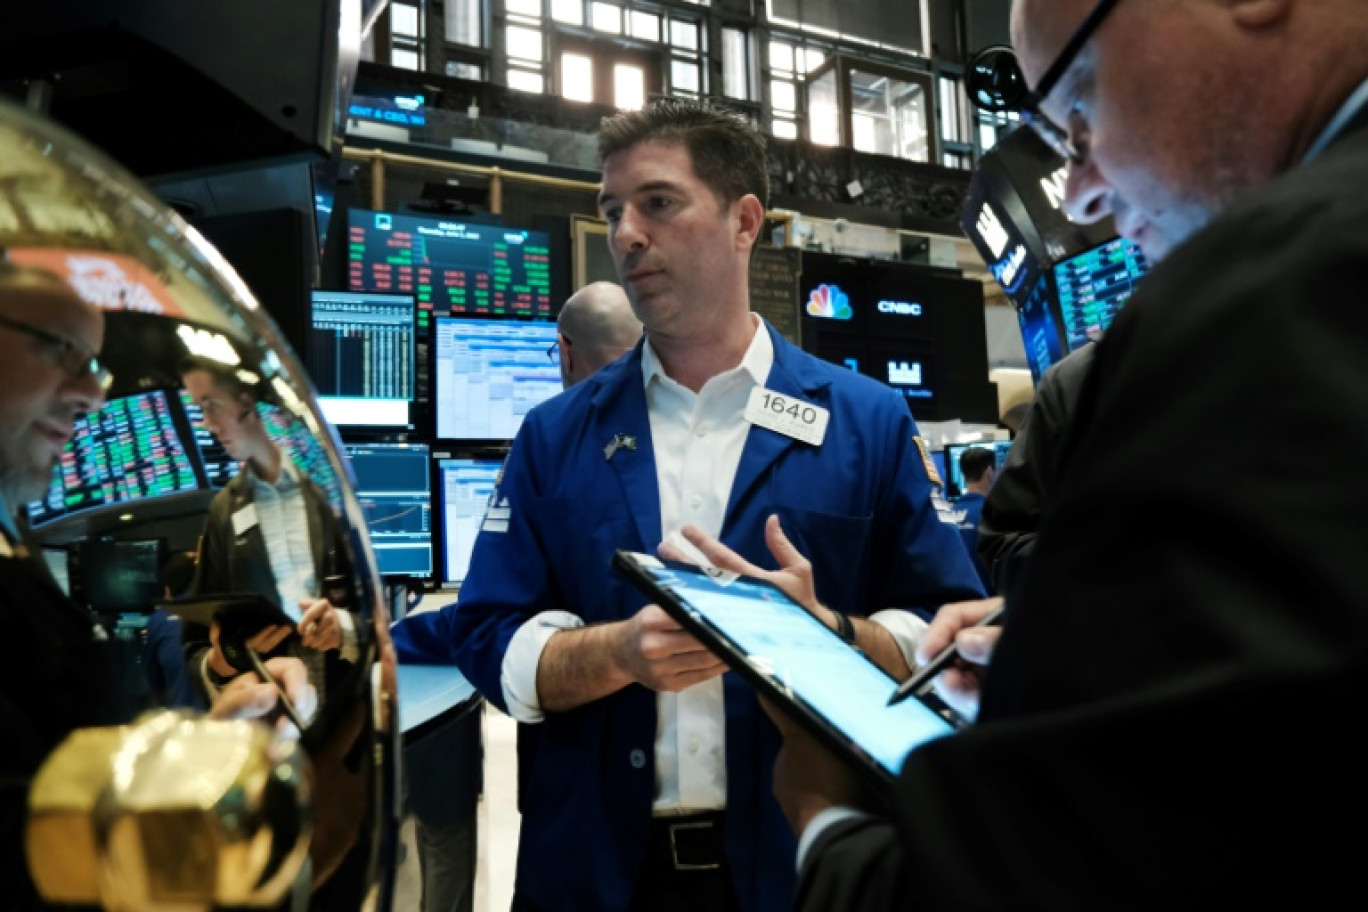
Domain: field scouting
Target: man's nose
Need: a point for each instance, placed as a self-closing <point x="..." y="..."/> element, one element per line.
<point x="1087" y="196"/>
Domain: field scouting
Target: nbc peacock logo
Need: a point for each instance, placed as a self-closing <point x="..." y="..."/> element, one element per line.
<point x="830" y="302"/>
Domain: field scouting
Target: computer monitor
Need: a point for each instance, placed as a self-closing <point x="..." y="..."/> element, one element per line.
<point x="1093" y="285"/>
<point x="116" y="577"/>
<point x="464" y="488"/>
<point x="394" y="488"/>
<point x="58" y="564"/>
<point x="451" y="267"/>
<point x="1039" y="333"/>
<point x="954" y="479"/>
<point x="132" y="448"/>
<point x="219" y="467"/>
<point x="488" y="374"/>
<point x="361" y="357"/>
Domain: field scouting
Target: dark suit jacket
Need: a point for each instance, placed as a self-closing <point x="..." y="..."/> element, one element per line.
<point x="56" y="677"/>
<point x="239" y="563"/>
<point x="1171" y="717"/>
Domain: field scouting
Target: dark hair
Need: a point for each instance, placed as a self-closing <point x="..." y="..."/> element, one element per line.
<point x="224" y="376"/>
<point x="178" y="572"/>
<point x="975" y="461"/>
<point x="727" y="152"/>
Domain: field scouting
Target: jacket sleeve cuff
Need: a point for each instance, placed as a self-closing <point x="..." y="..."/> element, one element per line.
<point x="519" y="671"/>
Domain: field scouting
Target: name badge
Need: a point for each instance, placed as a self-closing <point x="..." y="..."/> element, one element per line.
<point x="244" y="519"/>
<point x="786" y="415"/>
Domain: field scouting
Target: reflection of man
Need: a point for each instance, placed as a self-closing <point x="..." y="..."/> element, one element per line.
<point x="595" y="327"/>
<point x="649" y="790"/>
<point x="1174" y="690"/>
<point x="270" y="531"/>
<point x="59" y="674"/>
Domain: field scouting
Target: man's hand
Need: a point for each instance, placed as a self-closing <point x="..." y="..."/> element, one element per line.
<point x="269" y="638"/>
<point x="808" y="778"/>
<point x="657" y="653"/>
<point x="961" y="684"/>
<point x="794" y="576"/>
<point x="319" y="627"/>
<point x="248" y="697"/>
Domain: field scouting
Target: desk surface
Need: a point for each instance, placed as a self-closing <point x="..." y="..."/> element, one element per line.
<point x="427" y="691"/>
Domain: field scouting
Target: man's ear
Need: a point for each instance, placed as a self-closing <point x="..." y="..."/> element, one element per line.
<point x="1260" y="14"/>
<point x="750" y="221"/>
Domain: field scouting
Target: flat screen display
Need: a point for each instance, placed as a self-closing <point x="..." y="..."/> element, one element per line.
<point x="1039" y="334"/>
<point x="488" y="374"/>
<point x="361" y="357"/>
<point x="1093" y="286"/>
<point x="954" y="480"/>
<point x="394" y="488"/>
<point x="132" y="448"/>
<point x="120" y="576"/>
<point x="464" y="487"/>
<point x="450" y="266"/>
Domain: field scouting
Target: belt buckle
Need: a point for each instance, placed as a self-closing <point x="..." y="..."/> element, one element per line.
<point x="674" y="847"/>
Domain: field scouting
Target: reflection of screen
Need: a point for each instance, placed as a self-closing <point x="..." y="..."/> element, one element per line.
<point x="782" y="641"/>
<point x="130" y="449"/>
<point x="58" y="560"/>
<point x="118" y="576"/>
<point x="1093" y="285"/>
<point x="955" y="480"/>
<point x="451" y="267"/>
<point x="464" y="487"/>
<point x="488" y="374"/>
<point x="219" y="467"/>
<point x="361" y="357"/>
<point x="1039" y="335"/>
<point x="394" y="487"/>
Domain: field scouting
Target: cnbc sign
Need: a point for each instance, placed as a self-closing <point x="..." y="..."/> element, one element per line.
<point x="900" y="308"/>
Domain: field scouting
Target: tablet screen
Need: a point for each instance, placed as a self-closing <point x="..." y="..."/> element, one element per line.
<point x="804" y="658"/>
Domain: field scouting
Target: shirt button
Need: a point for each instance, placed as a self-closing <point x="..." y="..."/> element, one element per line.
<point x="638" y="759"/>
<point x="701" y="432"/>
<point x="695" y="501"/>
<point x="693" y="745"/>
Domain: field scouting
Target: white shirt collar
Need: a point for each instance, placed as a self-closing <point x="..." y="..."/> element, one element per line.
<point x="757" y="361"/>
<point x="1355" y="103"/>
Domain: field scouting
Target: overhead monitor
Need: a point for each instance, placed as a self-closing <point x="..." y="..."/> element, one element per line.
<point x="488" y="374"/>
<point x="1039" y="334"/>
<point x="464" y="488"/>
<point x="394" y="488"/>
<point x="1093" y="286"/>
<point x="954" y="479"/>
<point x="132" y="448"/>
<point x="361" y="357"/>
<point x="451" y="267"/>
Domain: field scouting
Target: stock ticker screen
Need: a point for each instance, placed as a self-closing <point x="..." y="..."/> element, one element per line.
<point x="394" y="488"/>
<point x="361" y="356"/>
<point x="1039" y="335"/>
<point x="131" y="448"/>
<point x="1093" y="285"/>
<point x="219" y="467"/>
<point x="450" y="267"/>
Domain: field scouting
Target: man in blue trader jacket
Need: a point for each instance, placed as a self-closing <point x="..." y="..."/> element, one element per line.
<point x="650" y="788"/>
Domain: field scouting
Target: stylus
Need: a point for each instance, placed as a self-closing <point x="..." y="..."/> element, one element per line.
<point x="269" y="678"/>
<point x="938" y="664"/>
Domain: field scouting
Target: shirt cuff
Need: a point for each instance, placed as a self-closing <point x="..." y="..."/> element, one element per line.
<point x="820" y="824"/>
<point x="350" y="650"/>
<point x="906" y="629"/>
<point x="519" y="676"/>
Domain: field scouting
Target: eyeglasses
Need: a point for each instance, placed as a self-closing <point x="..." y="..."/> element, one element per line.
<point x="996" y="84"/>
<point x="553" y="350"/>
<point x="77" y="361"/>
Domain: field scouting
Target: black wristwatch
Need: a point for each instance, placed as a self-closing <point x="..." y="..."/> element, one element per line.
<point x="845" y="627"/>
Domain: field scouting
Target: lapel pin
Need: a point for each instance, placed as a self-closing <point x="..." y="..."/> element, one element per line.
<point x="619" y="442"/>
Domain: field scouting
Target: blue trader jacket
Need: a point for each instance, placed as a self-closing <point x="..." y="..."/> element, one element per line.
<point x="859" y="506"/>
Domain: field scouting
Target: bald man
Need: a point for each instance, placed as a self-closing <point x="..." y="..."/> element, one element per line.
<point x="595" y="328"/>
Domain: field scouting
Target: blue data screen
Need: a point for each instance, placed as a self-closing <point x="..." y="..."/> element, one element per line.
<point x="806" y="659"/>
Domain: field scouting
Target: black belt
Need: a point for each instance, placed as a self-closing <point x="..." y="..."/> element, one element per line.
<point x="692" y="843"/>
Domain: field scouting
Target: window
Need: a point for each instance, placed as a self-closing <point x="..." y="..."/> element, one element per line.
<point x="406" y="36"/>
<point x="464" y="22"/>
<point x="645" y="26"/>
<point x="607" y="17"/>
<point x="790" y="60"/>
<point x="629" y="87"/>
<point x="736" y="64"/>
<point x="523" y="43"/>
<point x="571" y="12"/>
<point x="601" y="71"/>
<point x="577" y="77"/>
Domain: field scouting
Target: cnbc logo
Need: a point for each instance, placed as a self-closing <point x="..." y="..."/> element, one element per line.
<point x="829" y="302"/>
<point x="902" y="308"/>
